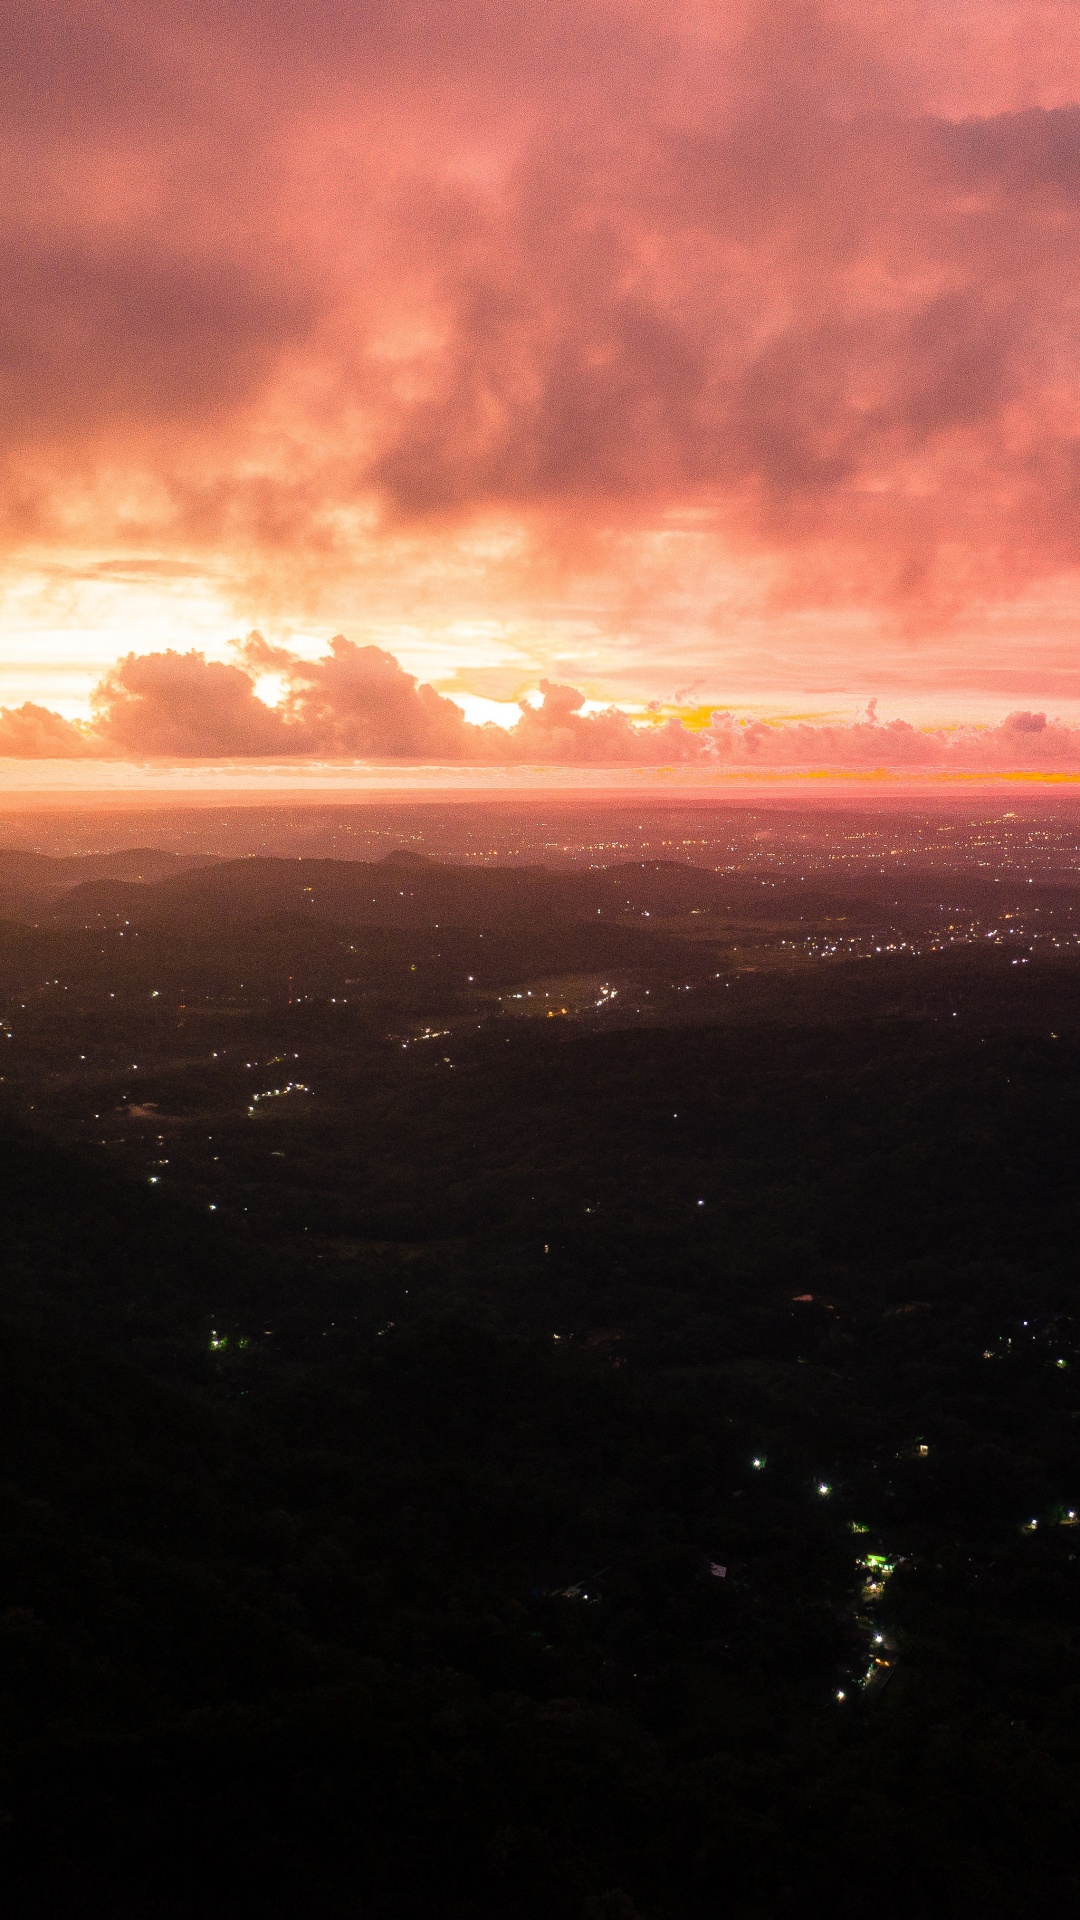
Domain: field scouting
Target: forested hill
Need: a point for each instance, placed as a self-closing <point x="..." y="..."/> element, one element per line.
<point x="153" y="889"/>
<point x="32" y="883"/>
<point x="404" y="890"/>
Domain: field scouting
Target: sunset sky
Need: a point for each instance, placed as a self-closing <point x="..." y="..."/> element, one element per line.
<point x="688" y="356"/>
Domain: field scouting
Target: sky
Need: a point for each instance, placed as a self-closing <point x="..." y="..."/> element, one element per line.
<point x="588" y="383"/>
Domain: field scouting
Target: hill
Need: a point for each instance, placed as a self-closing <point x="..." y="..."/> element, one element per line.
<point x="31" y="882"/>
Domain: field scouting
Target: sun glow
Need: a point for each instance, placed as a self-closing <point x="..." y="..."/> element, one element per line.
<point x="270" y="688"/>
<point x="479" y="711"/>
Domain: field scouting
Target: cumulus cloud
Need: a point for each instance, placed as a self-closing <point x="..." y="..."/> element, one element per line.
<point x="558" y="733"/>
<point x="30" y="732"/>
<point x="357" y="703"/>
<point x="1021" y="742"/>
<point x="177" y="705"/>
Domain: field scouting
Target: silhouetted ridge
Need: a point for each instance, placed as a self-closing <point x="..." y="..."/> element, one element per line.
<point x="405" y="857"/>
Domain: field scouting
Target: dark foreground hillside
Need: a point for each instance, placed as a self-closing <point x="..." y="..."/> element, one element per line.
<point x="597" y="1476"/>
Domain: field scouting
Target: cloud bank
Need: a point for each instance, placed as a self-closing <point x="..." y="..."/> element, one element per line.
<point x="762" y="317"/>
<point x="357" y="703"/>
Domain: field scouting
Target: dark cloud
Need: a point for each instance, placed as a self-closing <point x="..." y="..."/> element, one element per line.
<point x="110" y="338"/>
<point x="280" y="276"/>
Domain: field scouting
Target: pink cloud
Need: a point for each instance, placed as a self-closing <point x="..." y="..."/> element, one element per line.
<point x="353" y="703"/>
<point x="30" y="732"/>
<point x="181" y="704"/>
<point x="1023" y="741"/>
<point x="358" y="703"/>
<point x="364" y="274"/>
